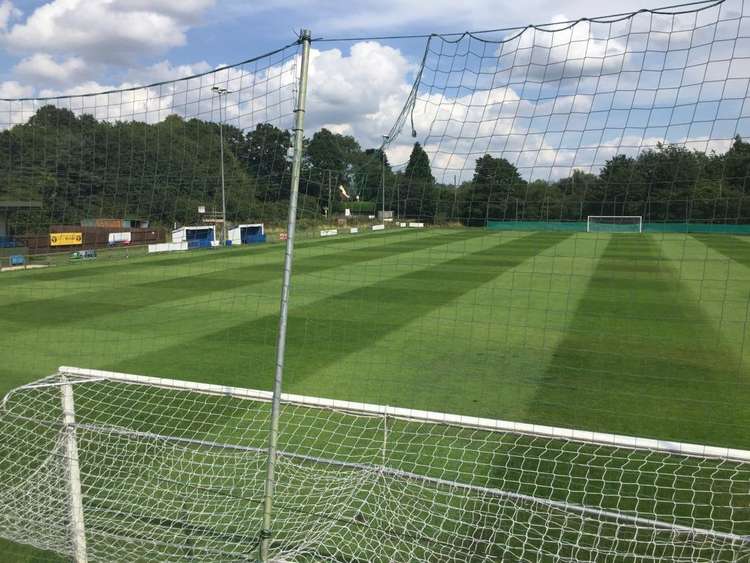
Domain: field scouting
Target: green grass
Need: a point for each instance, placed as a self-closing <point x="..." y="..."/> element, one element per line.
<point x="637" y="334"/>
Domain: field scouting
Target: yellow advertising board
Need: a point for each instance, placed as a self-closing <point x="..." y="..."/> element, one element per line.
<point x="65" y="239"/>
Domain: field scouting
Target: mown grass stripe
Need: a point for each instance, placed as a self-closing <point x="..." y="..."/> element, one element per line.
<point x="641" y="357"/>
<point x="326" y="330"/>
<point x="731" y="247"/>
<point x="86" y="305"/>
<point x="482" y="353"/>
<point x="197" y="257"/>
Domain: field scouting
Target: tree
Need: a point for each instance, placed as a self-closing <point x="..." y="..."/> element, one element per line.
<point x="83" y="168"/>
<point x="581" y="195"/>
<point x="369" y="176"/>
<point x="621" y="179"/>
<point x="417" y="185"/>
<point x="265" y="152"/>
<point x="330" y="152"/>
<point x="736" y="164"/>
<point x="492" y="193"/>
<point x="418" y="168"/>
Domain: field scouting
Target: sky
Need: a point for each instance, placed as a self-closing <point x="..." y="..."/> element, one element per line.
<point x="63" y="45"/>
<point x="357" y="87"/>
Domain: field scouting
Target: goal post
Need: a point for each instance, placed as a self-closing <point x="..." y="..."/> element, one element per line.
<point x="614" y="224"/>
<point x="173" y="470"/>
<point x="72" y="472"/>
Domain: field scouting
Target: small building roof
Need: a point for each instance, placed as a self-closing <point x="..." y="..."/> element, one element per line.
<point x="194" y="227"/>
<point x="19" y="204"/>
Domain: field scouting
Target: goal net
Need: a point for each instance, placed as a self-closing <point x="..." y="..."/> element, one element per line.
<point x="614" y="224"/>
<point x="116" y="210"/>
<point x="172" y="470"/>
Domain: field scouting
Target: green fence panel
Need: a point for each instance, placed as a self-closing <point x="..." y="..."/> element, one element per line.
<point x="716" y="228"/>
<point x="536" y="226"/>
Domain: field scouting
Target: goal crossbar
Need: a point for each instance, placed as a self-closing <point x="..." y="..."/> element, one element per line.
<point x="490" y="424"/>
<point x="635" y="220"/>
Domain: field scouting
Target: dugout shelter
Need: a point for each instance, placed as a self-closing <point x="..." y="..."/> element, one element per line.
<point x="247" y="234"/>
<point x="196" y="236"/>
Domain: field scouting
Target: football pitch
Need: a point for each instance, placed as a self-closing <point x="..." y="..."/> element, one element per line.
<point x="634" y="334"/>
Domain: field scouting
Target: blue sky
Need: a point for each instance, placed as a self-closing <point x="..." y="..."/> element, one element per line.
<point x="58" y="47"/>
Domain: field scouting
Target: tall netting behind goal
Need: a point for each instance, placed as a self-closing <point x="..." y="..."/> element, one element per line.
<point x="174" y="471"/>
<point x="636" y="114"/>
<point x="443" y="282"/>
<point x="102" y="195"/>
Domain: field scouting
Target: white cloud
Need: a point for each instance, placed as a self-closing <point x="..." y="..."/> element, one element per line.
<point x="165" y="70"/>
<point x="255" y="96"/>
<point x="12" y="89"/>
<point x="8" y="12"/>
<point x="359" y="93"/>
<point x="185" y="10"/>
<point x="105" y="30"/>
<point x="43" y="68"/>
<point x="387" y="17"/>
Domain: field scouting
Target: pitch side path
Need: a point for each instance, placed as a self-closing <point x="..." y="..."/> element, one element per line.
<point x="636" y="334"/>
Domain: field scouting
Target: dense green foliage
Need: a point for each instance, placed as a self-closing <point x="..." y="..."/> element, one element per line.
<point x="668" y="183"/>
<point x="80" y="167"/>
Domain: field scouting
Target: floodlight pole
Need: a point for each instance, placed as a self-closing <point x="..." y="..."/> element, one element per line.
<point x="330" y="205"/>
<point x="222" y="93"/>
<point x="299" y="123"/>
<point x="382" y="171"/>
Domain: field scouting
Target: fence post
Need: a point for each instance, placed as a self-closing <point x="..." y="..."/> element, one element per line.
<point x="75" y="497"/>
<point x="265" y="538"/>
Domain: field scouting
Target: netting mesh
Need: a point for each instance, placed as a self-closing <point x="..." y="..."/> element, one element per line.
<point x="446" y="267"/>
<point x="635" y="114"/>
<point x="614" y="223"/>
<point x="174" y="474"/>
<point x="151" y="154"/>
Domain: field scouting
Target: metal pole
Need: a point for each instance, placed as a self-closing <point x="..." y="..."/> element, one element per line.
<point x="454" y="211"/>
<point x="265" y="539"/>
<point x="75" y="497"/>
<point x="223" y="195"/>
<point x="382" y="171"/>
<point x="398" y="198"/>
<point x="382" y="179"/>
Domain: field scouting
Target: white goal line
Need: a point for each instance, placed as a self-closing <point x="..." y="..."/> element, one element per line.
<point x="367" y="409"/>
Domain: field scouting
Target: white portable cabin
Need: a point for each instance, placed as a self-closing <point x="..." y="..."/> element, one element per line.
<point x="200" y="232"/>
<point x="119" y="238"/>
<point x="167" y="247"/>
<point x="247" y="233"/>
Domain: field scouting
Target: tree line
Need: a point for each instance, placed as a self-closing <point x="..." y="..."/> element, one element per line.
<point x="80" y="167"/>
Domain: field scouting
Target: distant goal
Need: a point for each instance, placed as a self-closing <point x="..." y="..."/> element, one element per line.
<point x="614" y="224"/>
<point x="102" y="466"/>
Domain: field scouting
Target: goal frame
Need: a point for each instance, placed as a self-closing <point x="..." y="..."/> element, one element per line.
<point x="639" y="217"/>
<point x="75" y="375"/>
<point x="70" y="377"/>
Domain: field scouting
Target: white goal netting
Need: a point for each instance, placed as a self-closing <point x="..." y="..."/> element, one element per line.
<point x="614" y="224"/>
<point x="173" y="471"/>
